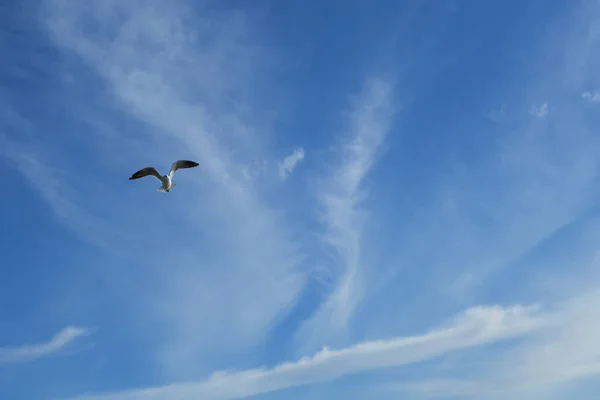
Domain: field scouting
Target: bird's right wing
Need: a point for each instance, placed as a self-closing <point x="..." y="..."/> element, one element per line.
<point x="146" y="172"/>
<point x="182" y="164"/>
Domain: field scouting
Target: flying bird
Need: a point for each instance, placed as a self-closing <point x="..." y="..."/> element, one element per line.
<point x="165" y="180"/>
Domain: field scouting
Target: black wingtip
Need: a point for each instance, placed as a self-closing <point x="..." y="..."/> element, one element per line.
<point x="189" y="164"/>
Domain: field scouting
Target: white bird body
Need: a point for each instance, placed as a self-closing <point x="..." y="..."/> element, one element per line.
<point x="167" y="184"/>
<point x="165" y="180"/>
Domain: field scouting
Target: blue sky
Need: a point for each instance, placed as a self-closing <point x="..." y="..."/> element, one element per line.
<point x="394" y="200"/>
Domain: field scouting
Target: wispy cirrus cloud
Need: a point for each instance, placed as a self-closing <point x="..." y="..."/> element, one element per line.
<point x="340" y="194"/>
<point x="564" y="352"/>
<point x="544" y="174"/>
<point x="474" y="327"/>
<point x="147" y="59"/>
<point x="206" y="283"/>
<point x="31" y="352"/>
<point x="543" y="195"/>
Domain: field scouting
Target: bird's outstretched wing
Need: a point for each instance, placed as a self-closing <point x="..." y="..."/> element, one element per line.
<point x="181" y="164"/>
<point x="146" y="172"/>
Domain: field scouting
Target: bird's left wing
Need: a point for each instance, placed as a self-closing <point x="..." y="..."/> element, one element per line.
<point x="146" y="172"/>
<point x="182" y="164"/>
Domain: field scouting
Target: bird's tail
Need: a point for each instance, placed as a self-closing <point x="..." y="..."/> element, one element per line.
<point x="161" y="189"/>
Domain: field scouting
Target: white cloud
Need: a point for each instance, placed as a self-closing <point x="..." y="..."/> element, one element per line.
<point x="591" y="97"/>
<point x="289" y="163"/>
<point x="540" y="181"/>
<point x="566" y="350"/>
<point x="474" y="327"/>
<point x="539" y="111"/>
<point x="340" y="195"/>
<point x="190" y="82"/>
<point x="34" y="351"/>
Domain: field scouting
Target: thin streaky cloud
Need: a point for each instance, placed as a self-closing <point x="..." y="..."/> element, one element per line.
<point x="247" y="281"/>
<point x="30" y="352"/>
<point x="260" y="280"/>
<point x="474" y="327"/>
<point x="563" y="351"/>
<point x="340" y="194"/>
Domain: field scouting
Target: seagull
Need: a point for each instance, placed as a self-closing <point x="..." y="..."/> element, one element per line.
<point x="165" y="180"/>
